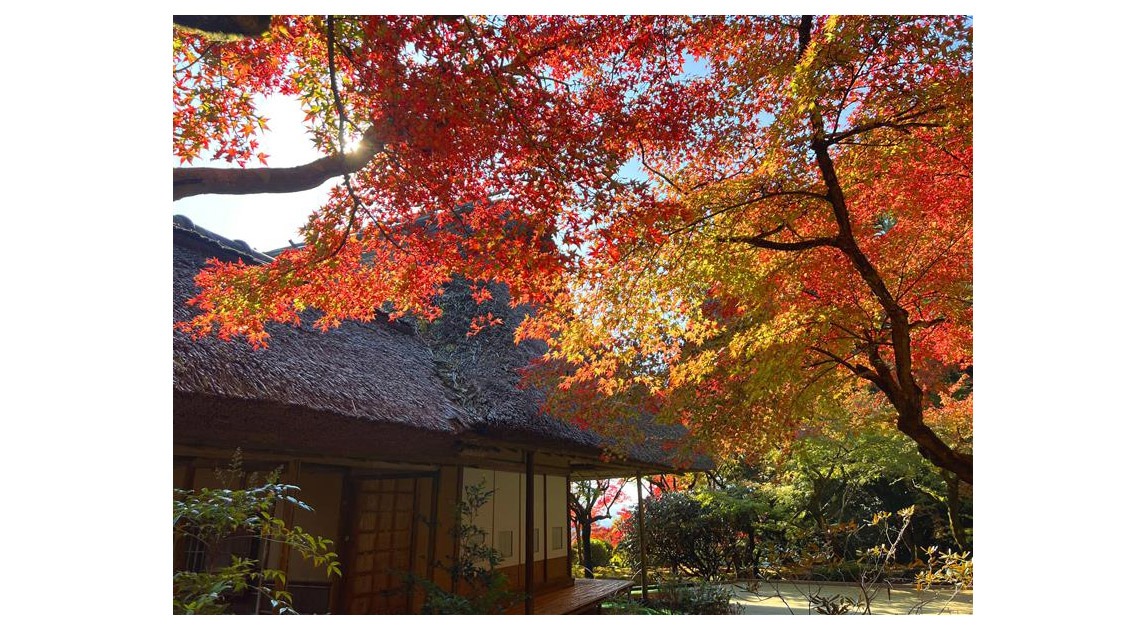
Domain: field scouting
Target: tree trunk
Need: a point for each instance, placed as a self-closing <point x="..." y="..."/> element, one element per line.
<point x="586" y="547"/>
<point x="953" y="510"/>
<point x="191" y="181"/>
<point x="895" y="380"/>
<point x="753" y="562"/>
<point x="224" y="27"/>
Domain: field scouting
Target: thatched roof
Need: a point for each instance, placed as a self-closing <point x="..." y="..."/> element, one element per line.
<point x="364" y="388"/>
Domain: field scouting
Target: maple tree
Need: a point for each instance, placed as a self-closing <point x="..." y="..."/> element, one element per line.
<point x="811" y="245"/>
<point x="592" y="501"/>
<point x="800" y="243"/>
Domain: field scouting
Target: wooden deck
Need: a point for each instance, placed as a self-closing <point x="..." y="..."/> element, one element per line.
<point x="583" y="596"/>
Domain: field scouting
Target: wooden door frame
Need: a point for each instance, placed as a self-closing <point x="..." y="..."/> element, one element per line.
<point x="342" y="594"/>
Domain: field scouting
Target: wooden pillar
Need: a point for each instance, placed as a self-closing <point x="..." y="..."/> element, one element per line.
<point x="568" y="529"/>
<point x="434" y="515"/>
<point x="640" y="531"/>
<point x="293" y="471"/>
<point x="530" y="524"/>
<point x="340" y="592"/>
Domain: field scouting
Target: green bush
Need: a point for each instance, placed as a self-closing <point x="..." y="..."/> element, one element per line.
<point x="602" y="558"/>
<point x="214" y="517"/>
<point x="601" y="553"/>
<point x="684" y="534"/>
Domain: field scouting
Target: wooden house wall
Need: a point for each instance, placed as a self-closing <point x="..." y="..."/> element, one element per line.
<point x="340" y="495"/>
<point x="504" y="516"/>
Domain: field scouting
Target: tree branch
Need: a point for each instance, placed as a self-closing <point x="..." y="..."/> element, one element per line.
<point x="645" y="164"/>
<point x="899" y="122"/>
<point x="859" y="370"/>
<point x="188" y="182"/>
<point x="747" y="202"/>
<point x="928" y="323"/>
<point x="343" y="120"/>
<point x="888" y="382"/>
<point x="221" y="27"/>
<point x="760" y="241"/>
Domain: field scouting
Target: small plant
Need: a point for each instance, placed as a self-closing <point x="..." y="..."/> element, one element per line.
<point x="831" y="605"/>
<point x="947" y="568"/>
<point x="697" y="598"/>
<point x="210" y="518"/>
<point x="625" y="606"/>
<point x="484" y="590"/>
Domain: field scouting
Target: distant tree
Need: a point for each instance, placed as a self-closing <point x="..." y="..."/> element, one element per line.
<point x="592" y="501"/>
<point x="685" y="534"/>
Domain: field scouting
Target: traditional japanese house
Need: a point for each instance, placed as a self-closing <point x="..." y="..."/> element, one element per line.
<point x="382" y="425"/>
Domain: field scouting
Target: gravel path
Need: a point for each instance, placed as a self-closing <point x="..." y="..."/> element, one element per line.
<point x="788" y="598"/>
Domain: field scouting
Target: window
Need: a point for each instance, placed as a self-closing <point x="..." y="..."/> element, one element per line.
<point x="197" y="558"/>
<point x="505" y="543"/>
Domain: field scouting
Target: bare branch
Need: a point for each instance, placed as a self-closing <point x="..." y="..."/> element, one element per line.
<point x="849" y="332"/>
<point x="760" y="241"/>
<point x="662" y="176"/>
<point x="858" y="369"/>
<point x="900" y="122"/>
<point x="747" y="202"/>
<point x="903" y="290"/>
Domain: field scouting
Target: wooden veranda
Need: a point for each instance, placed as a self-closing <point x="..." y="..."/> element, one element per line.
<point x="584" y="596"/>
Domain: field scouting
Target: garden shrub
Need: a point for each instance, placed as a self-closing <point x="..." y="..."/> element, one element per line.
<point x="696" y="598"/>
<point x="215" y="518"/>
<point x="601" y="553"/>
<point x="683" y="534"/>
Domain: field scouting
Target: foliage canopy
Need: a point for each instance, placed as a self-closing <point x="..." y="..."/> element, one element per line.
<point x="798" y="248"/>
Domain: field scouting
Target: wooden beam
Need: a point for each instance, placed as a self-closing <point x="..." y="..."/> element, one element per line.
<point x="434" y="516"/>
<point x="219" y="457"/>
<point x="568" y="529"/>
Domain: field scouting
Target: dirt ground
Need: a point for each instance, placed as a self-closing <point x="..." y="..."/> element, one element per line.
<point x="791" y="598"/>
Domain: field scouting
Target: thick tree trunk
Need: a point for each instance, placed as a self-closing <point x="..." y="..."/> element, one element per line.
<point x="191" y="181"/>
<point x="225" y="26"/>
<point x="896" y="380"/>
<point x="933" y="448"/>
